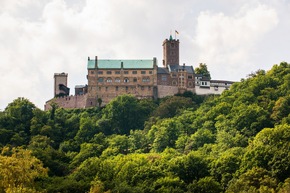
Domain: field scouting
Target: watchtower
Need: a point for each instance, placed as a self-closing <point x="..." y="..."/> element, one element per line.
<point x="170" y="52"/>
<point x="60" y="84"/>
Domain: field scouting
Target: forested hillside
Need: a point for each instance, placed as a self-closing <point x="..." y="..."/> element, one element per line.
<point x="236" y="142"/>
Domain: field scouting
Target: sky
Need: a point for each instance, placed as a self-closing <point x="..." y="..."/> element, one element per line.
<point x="41" y="37"/>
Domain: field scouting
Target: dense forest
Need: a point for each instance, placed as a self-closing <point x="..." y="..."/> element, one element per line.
<point x="236" y="142"/>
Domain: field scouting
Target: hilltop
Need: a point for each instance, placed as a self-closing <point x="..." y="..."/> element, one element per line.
<point x="238" y="141"/>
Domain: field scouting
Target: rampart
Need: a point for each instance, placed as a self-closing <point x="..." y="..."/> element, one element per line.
<point x="68" y="102"/>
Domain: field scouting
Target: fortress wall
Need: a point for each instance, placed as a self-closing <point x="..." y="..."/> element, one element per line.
<point x="68" y="102"/>
<point x="164" y="91"/>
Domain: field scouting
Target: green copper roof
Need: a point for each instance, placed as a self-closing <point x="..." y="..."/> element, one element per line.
<point x="116" y="64"/>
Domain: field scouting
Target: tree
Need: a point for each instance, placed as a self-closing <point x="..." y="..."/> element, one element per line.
<point x="205" y="185"/>
<point x="189" y="167"/>
<point x="124" y="113"/>
<point x="202" y="69"/>
<point x="269" y="150"/>
<point x="99" y="100"/>
<point x="18" y="170"/>
<point x="171" y="106"/>
<point x="254" y="180"/>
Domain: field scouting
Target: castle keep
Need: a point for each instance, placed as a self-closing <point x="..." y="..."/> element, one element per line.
<point x="141" y="78"/>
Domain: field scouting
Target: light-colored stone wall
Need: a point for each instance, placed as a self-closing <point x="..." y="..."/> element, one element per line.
<point x="68" y="102"/>
<point x="59" y="78"/>
<point x="110" y="83"/>
<point x="164" y="91"/>
<point x="199" y="90"/>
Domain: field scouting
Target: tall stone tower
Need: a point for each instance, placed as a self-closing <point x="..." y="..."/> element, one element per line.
<point x="60" y="84"/>
<point x="170" y="52"/>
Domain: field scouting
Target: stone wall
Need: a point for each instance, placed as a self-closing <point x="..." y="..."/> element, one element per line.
<point x="199" y="90"/>
<point x="68" y="102"/>
<point x="164" y="91"/>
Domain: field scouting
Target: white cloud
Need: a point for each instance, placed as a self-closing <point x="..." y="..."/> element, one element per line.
<point x="226" y="42"/>
<point x="39" y="38"/>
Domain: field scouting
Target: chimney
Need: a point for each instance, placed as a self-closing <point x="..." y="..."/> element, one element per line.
<point x="96" y="61"/>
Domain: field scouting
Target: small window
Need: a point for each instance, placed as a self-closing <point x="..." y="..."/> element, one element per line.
<point x="173" y="75"/>
<point x="100" y="72"/>
<point x="142" y="87"/>
<point x="92" y="72"/>
<point x="100" y="80"/>
<point x="109" y="80"/>
<point x="149" y="87"/>
<point x="146" y="79"/>
<point x="174" y="83"/>
<point x="150" y="72"/>
<point x="164" y="78"/>
<point x="106" y="88"/>
<point x="126" y="79"/>
<point x="126" y="72"/>
<point x="109" y="72"/>
<point x="126" y="88"/>
<point x="190" y="84"/>
<point x="117" y="72"/>
<point x="117" y="88"/>
<point x="134" y="72"/>
<point x="100" y="88"/>
<point x="134" y="79"/>
<point x="189" y="76"/>
<point x="117" y="80"/>
<point x="143" y="72"/>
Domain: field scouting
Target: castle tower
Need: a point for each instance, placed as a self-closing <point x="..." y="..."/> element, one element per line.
<point x="170" y="52"/>
<point x="60" y="84"/>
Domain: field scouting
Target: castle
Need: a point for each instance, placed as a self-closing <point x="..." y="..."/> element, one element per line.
<point x="141" y="78"/>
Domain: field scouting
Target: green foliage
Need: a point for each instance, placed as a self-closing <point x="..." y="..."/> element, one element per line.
<point x="202" y="69"/>
<point x="235" y="142"/>
<point x="205" y="185"/>
<point x="19" y="170"/>
<point x="171" y="106"/>
<point x="125" y="113"/>
<point x="254" y="180"/>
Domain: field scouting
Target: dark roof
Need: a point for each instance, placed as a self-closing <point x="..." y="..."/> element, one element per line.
<point x="204" y="78"/>
<point x="175" y="68"/>
<point x="222" y="81"/>
<point x="162" y="70"/>
<point x="198" y="75"/>
<point x="80" y="86"/>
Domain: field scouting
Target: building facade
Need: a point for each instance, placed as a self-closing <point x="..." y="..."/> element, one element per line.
<point x="108" y="79"/>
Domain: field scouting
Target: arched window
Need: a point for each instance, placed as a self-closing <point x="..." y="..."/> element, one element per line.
<point x="100" y="80"/>
<point x="117" y="80"/>
<point x="190" y="84"/>
<point x="174" y="83"/>
<point x="134" y="79"/>
<point x="109" y="80"/>
<point x="126" y="79"/>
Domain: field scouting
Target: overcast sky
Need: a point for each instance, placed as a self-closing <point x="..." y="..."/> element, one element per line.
<point x="41" y="37"/>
